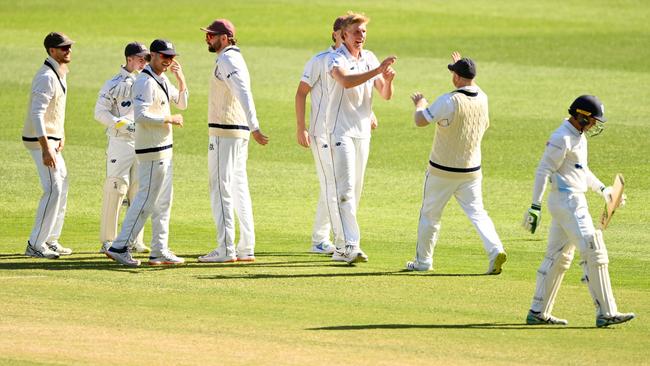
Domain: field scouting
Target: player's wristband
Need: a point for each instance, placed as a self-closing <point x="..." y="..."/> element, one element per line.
<point x="535" y="206"/>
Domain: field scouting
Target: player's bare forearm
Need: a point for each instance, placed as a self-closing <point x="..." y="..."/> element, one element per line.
<point x="351" y="80"/>
<point x="300" y="105"/>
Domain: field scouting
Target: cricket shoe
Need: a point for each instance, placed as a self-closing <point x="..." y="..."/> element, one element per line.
<point x="245" y="257"/>
<point x="139" y="248"/>
<point x="338" y="256"/>
<point x="354" y="254"/>
<point x="604" y="321"/>
<point x="122" y="256"/>
<point x="535" y="318"/>
<point x="496" y="263"/>
<point x="165" y="258"/>
<point x="43" y="251"/>
<point x="57" y="247"/>
<point x="414" y="265"/>
<point x="105" y="245"/>
<point x="323" y="248"/>
<point x="215" y="256"/>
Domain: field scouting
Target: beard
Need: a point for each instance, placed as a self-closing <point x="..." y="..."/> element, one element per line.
<point x="211" y="49"/>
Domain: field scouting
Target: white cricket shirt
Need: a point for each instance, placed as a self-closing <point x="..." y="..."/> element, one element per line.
<point x="315" y="75"/>
<point x="349" y="111"/>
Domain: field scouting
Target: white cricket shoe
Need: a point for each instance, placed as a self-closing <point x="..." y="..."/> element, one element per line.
<point x="535" y="318"/>
<point x="337" y="256"/>
<point x="105" y="245"/>
<point x="122" y="256"/>
<point x="216" y="257"/>
<point x="604" y="321"/>
<point x="245" y="257"/>
<point x="323" y="248"/>
<point x="165" y="258"/>
<point x="139" y="248"/>
<point x="496" y="263"/>
<point x="414" y="265"/>
<point x="354" y="254"/>
<point x="57" y="247"/>
<point x="42" y="252"/>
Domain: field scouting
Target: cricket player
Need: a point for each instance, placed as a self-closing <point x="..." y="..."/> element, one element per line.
<point x="454" y="168"/>
<point x="231" y="120"/>
<point x="44" y="136"/>
<point x="564" y="165"/>
<point x="152" y="95"/>
<point x="353" y="73"/>
<point x="314" y="83"/>
<point x="114" y="110"/>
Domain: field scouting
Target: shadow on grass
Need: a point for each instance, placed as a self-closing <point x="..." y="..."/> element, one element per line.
<point x="257" y="276"/>
<point x="502" y="326"/>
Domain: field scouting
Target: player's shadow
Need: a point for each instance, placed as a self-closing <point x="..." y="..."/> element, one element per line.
<point x="66" y="264"/>
<point x="257" y="276"/>
<point x="500" y="326"/>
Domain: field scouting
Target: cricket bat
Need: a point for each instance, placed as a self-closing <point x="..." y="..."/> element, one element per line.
<point x="617" y="196"/>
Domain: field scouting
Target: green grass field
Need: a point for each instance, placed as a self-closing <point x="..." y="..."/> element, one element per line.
<point x="295" y="308"/>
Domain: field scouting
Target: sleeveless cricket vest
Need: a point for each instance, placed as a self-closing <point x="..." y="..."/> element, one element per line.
<point x="154" y="141"/>
<point x="456" y="151"/>
<point x="226" y="116"/>
<point x="54" y="116"/>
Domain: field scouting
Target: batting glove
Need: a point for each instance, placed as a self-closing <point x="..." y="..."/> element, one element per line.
<point x="532" y="218"/>
<point x="123" y="89"/>
<point x="606" y="192"/>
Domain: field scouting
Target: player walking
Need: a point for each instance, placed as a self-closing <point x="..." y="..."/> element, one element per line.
<point x="114" y="110"/>
<point x="231" y="119"/>
<point x="43" y="135"/>
<point x="152" y="95"/>
<point x="564" y="164"/>
<point x="314" y="83"/>
<point x="455" y="164"/>
<point x="354" y="71"/>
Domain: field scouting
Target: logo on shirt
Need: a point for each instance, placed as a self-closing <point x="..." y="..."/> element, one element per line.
<point x="126" y="103"/>
<point x="578" y="166"/>
<point x="211" y="147"/>
<point x="139" y="98"/>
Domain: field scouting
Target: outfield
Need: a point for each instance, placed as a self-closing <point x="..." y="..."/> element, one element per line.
<point x="295" y="308"/>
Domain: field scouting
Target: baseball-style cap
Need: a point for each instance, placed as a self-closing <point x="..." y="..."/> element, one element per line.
<point x="589" y="106"/>
<point x="464" y="67"/>
<point x="163" y="46"/>
<point x="135" y="49"/>
<point x="56" y="40"/>
<point x="338" y="23"/>
<point x="221" y="26"/>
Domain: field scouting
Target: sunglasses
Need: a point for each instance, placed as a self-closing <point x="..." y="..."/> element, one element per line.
<point x="167" y="57"/>
<point x="65" y="48"/>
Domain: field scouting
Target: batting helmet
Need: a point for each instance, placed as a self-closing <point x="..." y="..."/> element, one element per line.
<point x="588" y="106"/>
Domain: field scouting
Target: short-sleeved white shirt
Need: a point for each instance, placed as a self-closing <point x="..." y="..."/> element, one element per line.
<point x="315" y="75"/>
<point x="349" y="111"/>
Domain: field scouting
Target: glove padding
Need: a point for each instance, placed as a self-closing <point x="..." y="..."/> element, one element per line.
<point x="123" y="89"/>
<point x="532" y="218"/>
<point x="607" y="196"/>
<point x="125" y="126"/>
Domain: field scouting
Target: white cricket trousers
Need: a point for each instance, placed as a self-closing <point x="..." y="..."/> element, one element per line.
<point x="229" y="194"/>
<point x="154" y="198"/>
<point x="326" y="218"/>
<point x="350" y="157"/>
<point x="571" y="227"/>
<point x="51" y="208"/>
<point x="437" y="192"/>
<point x="120" y="163"/>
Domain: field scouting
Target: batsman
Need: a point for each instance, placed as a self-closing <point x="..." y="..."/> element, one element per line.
<point x="564" y="165"/>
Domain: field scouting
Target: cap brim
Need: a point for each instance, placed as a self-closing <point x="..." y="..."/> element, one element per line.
<point x="206" y="30"/>
<point x="66" y="43"/>
<point x="168" y="52"/>
<point x="141" y="54"/>
<point x="450" y="67"/>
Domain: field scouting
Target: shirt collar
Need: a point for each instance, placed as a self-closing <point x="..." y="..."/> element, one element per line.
<point x="62" y="70"/>
<point x="159" y="78"/>
<point x="348" y="55"/>
<point x="571" y="128"/>
<point x="125" y="72"/>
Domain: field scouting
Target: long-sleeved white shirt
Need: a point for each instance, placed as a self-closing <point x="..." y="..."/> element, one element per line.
<point x="564" y="164"/>
<point x="109" y="110"/>
<point x="46" y="108"/>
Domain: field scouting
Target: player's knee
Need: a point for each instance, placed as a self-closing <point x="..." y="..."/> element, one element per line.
<point x="594" y="251"/>
<point x="116" y="184"/>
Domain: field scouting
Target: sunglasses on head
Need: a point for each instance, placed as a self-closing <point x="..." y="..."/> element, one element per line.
<point x="65" y="48"/>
